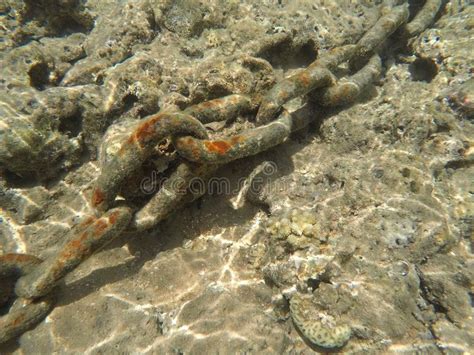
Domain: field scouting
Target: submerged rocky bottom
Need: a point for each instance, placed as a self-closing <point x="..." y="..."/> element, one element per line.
<point x="359" y="237"/>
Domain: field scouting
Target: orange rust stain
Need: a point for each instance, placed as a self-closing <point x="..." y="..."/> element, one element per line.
<point x="189" y="145"/>
<point x="74" y="246"/>
<point x="84" y="235"/>
<point x="142" y="132"/>
<point x="304" y="78"/>
<point x="97" y="197"/>
<point x="113" y="217"/>
<point x="211" y="104"/>
<point x="222" y="147"/>
<point x="16" y="258"/>
<point x="18" y="320"/>
<point x="236" y="139"/>
<point x="100" y="226"/>
<point x="87" y="222"/>
<point x="219" y="147"/>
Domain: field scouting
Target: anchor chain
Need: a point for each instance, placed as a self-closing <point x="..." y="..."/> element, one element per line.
<point x="27" y="282"/>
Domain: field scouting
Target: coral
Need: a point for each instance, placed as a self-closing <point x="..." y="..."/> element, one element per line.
<point x="40" y="131"/>
<point x="314" y="329"/>
<point x="297" y="227"/>
<point x="184" y="17"/>
<point x="29" y="20"/>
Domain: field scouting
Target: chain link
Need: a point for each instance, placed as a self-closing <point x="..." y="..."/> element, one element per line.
<point x="31" y="280"/>
<point x="24" y="313"/>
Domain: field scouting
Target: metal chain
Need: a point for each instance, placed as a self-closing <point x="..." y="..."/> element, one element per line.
<point x="24" y="313"/>
<point x="29" y="281"/>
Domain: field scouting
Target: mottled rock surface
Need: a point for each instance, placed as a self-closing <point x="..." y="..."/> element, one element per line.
<point x="387" y="183"/>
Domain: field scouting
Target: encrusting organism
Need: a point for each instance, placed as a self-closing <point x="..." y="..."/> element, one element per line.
<point x="297" y="227"/>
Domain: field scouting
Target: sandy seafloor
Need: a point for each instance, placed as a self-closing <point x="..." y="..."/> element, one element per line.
<point x="389" y="179"/>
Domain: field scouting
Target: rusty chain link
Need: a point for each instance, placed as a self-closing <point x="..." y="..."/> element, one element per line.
<point x="27" y="282"/>
<point x="24" y="313"/>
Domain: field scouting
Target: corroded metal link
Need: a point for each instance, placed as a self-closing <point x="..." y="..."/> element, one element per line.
<point x="84" y="240"/>
<point x="424" y="17"/>
<point x="262" y="138"/>
<point x="334" y="57"/>
<point x="296" y="85"/>
<point x="13" y="266"/>
<point x="246" y="144"/>
<point x="220" y="109"/>
<point x="17" y="264"/>
<point x="346" y="91"/>
<point x="316" y="75"/>
<point x="176" y="191"/>
<point x="382" y="29"/>
<point x="24" y="313"/>
<point x="139" y="146"/>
